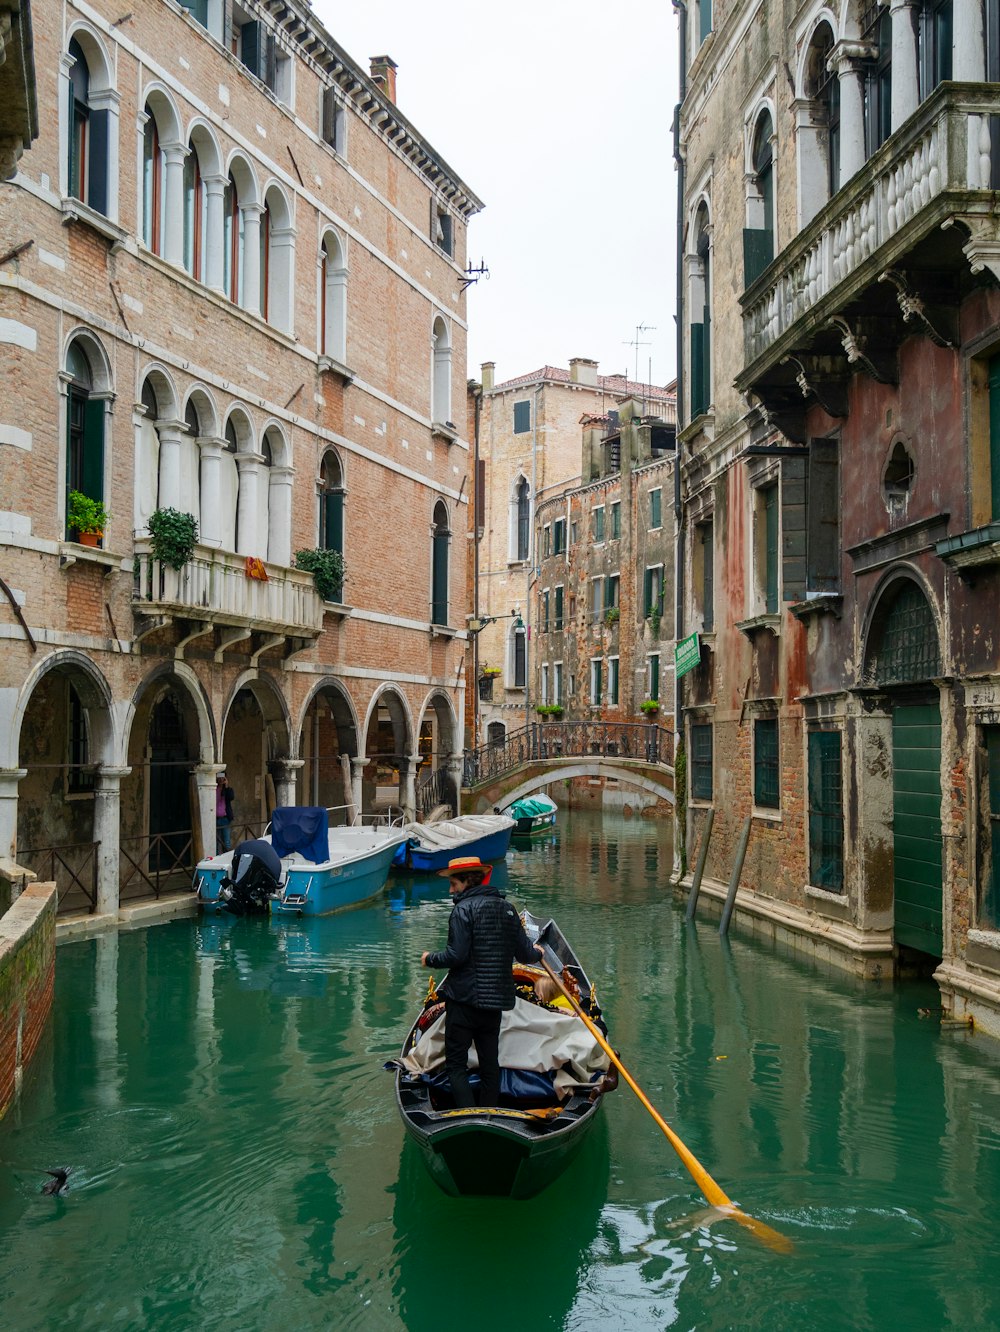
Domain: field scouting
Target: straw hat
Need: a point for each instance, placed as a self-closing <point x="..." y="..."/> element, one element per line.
<point x="463" y="865"/>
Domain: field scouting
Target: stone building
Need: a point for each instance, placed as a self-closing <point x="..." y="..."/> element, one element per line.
<point x="18" y="100"/>
<point x="529" y="443"/>
<point x="236" y="294"/>
<point x="839" y="429"/>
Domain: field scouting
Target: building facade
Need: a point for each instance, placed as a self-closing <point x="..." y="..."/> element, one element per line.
<point x="235" y="295"/>
<point x="840" y="440"/>
<point x="529" y="456"/>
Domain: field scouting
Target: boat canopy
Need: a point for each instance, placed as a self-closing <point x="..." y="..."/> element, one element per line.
<point x="530" y="807"/>
<point x="301" y="828"/>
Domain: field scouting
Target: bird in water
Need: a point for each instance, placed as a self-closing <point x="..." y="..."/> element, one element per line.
<point x="58" y="1185"/>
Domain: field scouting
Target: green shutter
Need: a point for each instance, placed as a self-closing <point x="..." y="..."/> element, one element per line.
<point x="559" y="608"/>
<point x="654" y="676"/>
<point x="699" y="395"/>
<point x="439" y="593"/>
<point x="708" y="577"/>
<point x="758" y="252"/>
<point x="613" y="680"/>
<point x="989" y="912"/>
<point x="92" y="471"/>
<point x="916" y="827"/>
<point x="771" y="549"/>
<point x="823" y="517"/>
<point x="333" y="525"/>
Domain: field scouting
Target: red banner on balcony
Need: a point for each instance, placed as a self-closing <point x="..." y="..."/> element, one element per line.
<point x="255" y="569"/>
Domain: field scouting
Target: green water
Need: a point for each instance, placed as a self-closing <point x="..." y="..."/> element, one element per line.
<point x="238" y="1163"/>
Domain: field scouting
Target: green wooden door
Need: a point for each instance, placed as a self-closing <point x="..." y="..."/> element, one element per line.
<point x="916" y="808"/>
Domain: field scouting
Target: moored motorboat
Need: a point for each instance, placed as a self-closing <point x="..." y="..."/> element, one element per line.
<point x="429" y="846"/>
<point x="324" y="867"/>
<point x="554" y="1076"/>
<point x="532" y="814"/>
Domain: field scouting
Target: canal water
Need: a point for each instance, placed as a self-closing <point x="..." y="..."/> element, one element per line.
<point x="217" y="1088"/>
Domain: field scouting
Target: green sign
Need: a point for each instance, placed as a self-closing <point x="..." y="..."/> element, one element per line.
<point x="687" y="655"/>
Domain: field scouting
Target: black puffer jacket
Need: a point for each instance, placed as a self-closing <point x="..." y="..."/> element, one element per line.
<point x="485" y="934"/>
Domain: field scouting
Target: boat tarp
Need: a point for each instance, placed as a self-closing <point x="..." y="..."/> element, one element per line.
<point x="531" y="1037"/>
<point x="458" y="832"/>
<point x="301" y="828"/>
<point x="531" y="806"/>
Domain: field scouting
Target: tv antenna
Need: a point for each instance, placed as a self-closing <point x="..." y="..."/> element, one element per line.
<point x="636" y="342"/>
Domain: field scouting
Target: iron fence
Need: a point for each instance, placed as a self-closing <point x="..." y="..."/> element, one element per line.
<point x="73" y="869"/>
<point x="156" y="861"/>
<point x="435" y="788"/>
<point x="646" y="742"/>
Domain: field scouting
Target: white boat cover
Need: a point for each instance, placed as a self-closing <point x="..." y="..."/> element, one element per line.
<point x="531" y="1037"/>
<point x="455" y="833"/>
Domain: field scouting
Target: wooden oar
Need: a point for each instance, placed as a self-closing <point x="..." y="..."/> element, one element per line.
<point x="713" y="1194"/>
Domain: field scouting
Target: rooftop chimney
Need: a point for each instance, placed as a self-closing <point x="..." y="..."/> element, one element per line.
<point x="582" y="370"/>
<point x="486" y="374"/>
<point x="383" y="69"/>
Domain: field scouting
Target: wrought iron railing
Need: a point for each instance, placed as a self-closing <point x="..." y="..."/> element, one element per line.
<point x="645" y="741"/>
<point x="153" y="862"/>
<point x="435" y="788"/>
<point x="73" y="869"/>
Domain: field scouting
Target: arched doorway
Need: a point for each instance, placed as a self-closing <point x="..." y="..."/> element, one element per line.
<point x="328" y="743"/>
<point x="388" y="745"/>
<point x="254" y="738"/>
<point x="437" y="741"/>
<point x="903" y="659"/>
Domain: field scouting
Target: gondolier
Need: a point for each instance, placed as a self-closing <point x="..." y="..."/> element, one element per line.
<point x="485" y="935"/>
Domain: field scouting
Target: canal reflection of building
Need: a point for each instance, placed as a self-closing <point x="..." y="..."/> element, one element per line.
<point x="448" y="1251"/>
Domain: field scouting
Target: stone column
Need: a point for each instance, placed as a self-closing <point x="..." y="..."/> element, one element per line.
<point x="9" y="778"/>
<point x="251" y="256"/>
<point x="358" y="766"/>
<point x="173" y="192"/>
<point x="214" y="232"/>
<point x="407" y="788"/>
<point x="279" y="510"/>
<point x="248" y="539"/>
<point x="281" y="266"/>
<point x="211" y="448"/>
<point x="968" y="56"/>
<point x="171" y="433"/>
<point x="852" y="109"/>
<point x="285" y="773"/>
<point x="205" y="775"/>
<point x="456" y="769"/>
<point x="107" y="831"/>
<point x="905" y="73"/>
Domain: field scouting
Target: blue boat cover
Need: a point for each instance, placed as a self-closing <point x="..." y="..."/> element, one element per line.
<point x="524" y="1086"/>
<point x="301" y="828"/>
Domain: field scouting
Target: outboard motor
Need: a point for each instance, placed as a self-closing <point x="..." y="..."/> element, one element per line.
<point x="253" y="878"/>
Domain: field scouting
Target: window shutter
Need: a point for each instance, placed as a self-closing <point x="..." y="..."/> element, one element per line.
<point x="559" y="608"/>
<point x="708" y="577"/>
<point x="198" y="9"/>
<point x="699" y="398"/>
<point x="654" y="677"/>
<point x="270" y="71"/>
<point x="97" y="170"/>
<point x="995" y="437"/>
<point x="439" y="594"/>
<point x="771" y="550"/>
<point x="251" y="46"/>
<point x="333" y="535"/>
<point x="823" y="533"/>
<point x="330" y="117"/>
<point x="480" y="493"/>
<point x="92" y="471"/>
<point x="758" y="252"/>
<point x="655" y="516"/>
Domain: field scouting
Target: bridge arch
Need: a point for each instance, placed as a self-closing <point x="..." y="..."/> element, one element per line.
<point x="660" y="786"/>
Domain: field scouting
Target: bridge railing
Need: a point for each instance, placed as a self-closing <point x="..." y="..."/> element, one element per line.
<point x="644" y="741"/>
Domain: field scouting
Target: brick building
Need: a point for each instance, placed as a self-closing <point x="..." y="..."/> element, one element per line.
<point x="529" y="454"/>
<point x="839" y="425"/>
<point x="236" y="294"/>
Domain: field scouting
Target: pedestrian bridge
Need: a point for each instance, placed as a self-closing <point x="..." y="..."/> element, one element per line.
<point x="635" y="754"/>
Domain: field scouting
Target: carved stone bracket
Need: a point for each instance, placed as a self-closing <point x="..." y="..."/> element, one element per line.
<point x="982" y="249"/>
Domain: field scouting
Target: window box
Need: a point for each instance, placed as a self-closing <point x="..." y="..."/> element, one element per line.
<point x="759" y="624"/>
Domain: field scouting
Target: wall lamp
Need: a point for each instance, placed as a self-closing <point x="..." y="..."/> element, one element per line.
<point x="475" y="626"/>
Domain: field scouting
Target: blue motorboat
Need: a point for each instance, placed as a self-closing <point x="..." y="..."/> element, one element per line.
<point x="532" y="814"/>
<point x="429" y="846"/>
<point x="324" y="868"/>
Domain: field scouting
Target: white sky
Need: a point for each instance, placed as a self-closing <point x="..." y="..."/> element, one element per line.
<point x="558" y="115"/>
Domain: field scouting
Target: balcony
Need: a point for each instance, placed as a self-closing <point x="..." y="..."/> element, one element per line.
<point x="214" y="594"/>
<point x="891" y="254"/>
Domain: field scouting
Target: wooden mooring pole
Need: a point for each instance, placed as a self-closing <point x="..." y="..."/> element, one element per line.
<point x="692" y="905"/>
<point x="734" y="879"/>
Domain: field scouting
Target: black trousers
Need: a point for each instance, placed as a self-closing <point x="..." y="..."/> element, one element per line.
<point x="466" y="1026"/>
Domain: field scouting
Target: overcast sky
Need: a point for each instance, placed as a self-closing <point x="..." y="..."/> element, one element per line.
<point x="557" y="114"/>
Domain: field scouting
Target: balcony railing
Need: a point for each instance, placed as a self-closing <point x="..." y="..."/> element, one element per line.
<point x="214" y="586"/>
<point x="944" y="148"/>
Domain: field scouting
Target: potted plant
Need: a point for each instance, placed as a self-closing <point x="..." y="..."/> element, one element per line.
<point x="86" y="518"/>
<point x="173" y="536"/>
<point x="653" y="615"/>
<point x="327" y="569"/>
<point x="650" y="706"/>
<point x="612" y="615"/>
<point x="489" y="672"/>
<point x="553" y="710"/>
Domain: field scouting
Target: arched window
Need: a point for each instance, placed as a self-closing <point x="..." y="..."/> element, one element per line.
<point x="277" y="279"/>
<point x="758" y="236"/>
<point x="229" y="487"/>
<point x="233" y="250"/>
<point x="520" y="521"/>
<point x="87" y="162"/>
<point x="700" y="307"/>
<point x="152" y="185"/>
<point x="84" y="428"/>
<point x="904" y="645"/>
<point x="440" y="542"/>
<point x="194" y="215"/>
<point x="331" y="504"/>
<point x="441" y="386"/>
<point x="333" y="300"/>
<point x="878" y="86"/>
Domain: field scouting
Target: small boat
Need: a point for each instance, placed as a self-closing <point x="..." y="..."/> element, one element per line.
<point x="532" y="814"/>
<point x="549" y="1102"/>
<point x="324" y="867"/>
<point x="429" y="846"/>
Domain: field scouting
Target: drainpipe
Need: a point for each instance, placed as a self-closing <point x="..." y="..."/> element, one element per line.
<point x="476" y="529"/>
<point x="680" y="8"/>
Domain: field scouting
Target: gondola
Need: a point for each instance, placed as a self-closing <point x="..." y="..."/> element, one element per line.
<point x="516" y="1149"/>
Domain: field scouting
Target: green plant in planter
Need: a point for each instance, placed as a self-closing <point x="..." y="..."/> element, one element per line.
<point x="172" y="536"/>
<point x="327" y="569"/>
<point x="490" y="672"/>
<point x="649" y="706"/>
<point x="653" y="615"/>
<point x="549" y="710"/>
<point x="612" y="615"/>
<point x="86" y="515"/>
